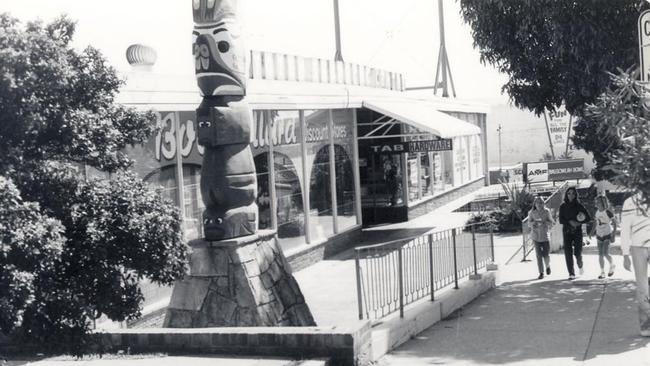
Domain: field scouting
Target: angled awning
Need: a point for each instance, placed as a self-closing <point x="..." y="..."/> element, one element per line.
<point x="423" y="116"/>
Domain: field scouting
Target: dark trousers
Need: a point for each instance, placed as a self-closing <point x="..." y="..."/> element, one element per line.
<point x="572" y="246"/>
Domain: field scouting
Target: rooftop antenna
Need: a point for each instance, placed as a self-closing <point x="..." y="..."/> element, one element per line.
<point x="338" y="56"/>
<point x="443" y="70"/>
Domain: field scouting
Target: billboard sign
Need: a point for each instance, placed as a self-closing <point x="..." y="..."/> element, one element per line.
<point x="554" y="170"/>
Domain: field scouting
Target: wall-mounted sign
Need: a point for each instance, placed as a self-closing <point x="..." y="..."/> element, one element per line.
<point x="413" y="146"/>
<point x="554" y="170"/>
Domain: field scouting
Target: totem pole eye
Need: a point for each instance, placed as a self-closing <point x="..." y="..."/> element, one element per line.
<point x="220" y="221"/>
<point x="223" y="46"/>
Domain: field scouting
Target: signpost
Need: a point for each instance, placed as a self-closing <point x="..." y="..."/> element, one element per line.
<point x="644" y="45"/>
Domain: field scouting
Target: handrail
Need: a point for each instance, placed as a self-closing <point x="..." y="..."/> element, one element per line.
<point x="402" y="240"/>
<point x="396" y="273"/>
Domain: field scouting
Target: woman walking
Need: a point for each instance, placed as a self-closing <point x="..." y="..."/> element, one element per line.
<point x="572" y="216"/>
<point x="635" y="241"/>
<point x="604" y="219"/>
<point x="540" y="221"/>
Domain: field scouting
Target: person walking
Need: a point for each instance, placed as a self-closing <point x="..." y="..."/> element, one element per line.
<point x="572" y="216"/>
<point x="635" y="242"/>
<point x="604" y="219"/>
<point x="540" y="221"/>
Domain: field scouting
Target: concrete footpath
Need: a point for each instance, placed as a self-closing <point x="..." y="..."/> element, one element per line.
<point x="526" y="321"/>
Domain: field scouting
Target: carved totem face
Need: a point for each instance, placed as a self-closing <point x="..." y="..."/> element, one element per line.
<point x="219" y="56"/>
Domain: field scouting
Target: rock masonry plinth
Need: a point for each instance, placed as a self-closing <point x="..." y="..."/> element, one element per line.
<point x="240" y="282"/>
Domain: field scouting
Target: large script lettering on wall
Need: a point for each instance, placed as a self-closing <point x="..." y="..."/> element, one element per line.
<point x="228" y="182"/>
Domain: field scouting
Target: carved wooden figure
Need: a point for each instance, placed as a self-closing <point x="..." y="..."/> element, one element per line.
<point x="228" y="181"/>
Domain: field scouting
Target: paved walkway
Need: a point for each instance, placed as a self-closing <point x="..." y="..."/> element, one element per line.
<point x="526" y="321"/>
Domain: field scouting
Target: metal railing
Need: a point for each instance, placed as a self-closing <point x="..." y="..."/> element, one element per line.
<point x="397" y="273"/>
<point x="283" y="67"/>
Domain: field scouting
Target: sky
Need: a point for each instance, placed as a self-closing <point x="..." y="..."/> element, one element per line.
<point x="397" y="36"/>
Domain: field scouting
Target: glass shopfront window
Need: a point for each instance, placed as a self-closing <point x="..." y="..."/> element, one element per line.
<point x="343" y="136"/>
<point x="476" y="156"/>
<point x="438" y="172"/>
<point x="448" y="170"/>
<point x="290" y="208"/>
<point x="413" y="178"/>
<point x="281" y="130"/>
<point x="192" y="201"/>
<point x="426" y="176"/>
<point x="320" y="187"/>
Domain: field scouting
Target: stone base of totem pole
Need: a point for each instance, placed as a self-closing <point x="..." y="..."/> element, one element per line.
<point x="241" y="282"/>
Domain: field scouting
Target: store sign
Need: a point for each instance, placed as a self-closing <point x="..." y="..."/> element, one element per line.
<point x="554" y="171"/>
<point x="166" y="140"/>
<point x="278" y="130"/>
<point x="413" y="146"/>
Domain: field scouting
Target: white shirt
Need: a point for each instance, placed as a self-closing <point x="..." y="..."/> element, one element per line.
<point x="603" y="223"/>
<point x="635" y="227"/>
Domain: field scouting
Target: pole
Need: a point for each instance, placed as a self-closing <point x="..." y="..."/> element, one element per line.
<point x="358" y="273"/>
<point x="548" y="132"/>
<point x="431" y="266"/>
<point x="400" y="269"/>
<point x="338" y="56"/>
<point x="453" y="238"/>
<point x="474" y="249"/>
<point x="500" y="166"/>
<point x="568" y="137"/>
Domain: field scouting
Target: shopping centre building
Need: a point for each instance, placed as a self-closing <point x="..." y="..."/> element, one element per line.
<point x="336" y="146"/>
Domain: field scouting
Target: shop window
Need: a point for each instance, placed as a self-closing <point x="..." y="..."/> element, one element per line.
<point x="263" y="192"/>
<point x="426" y="176"/>
<point x="290" y="208"/>
<point x="320" y="196"/>
<point x="448" y="170"/>
<point x="165" y="179"/>
<point x="438" y="172"/>
<point x="345" y="194"/>
<point x="412" y="166"/>
<point x="192" y="201"/>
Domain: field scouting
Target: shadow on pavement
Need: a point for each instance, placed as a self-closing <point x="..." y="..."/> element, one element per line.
<point x="533" y="320"/>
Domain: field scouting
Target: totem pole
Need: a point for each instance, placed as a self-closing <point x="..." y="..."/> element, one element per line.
<point x="238" y="276"/>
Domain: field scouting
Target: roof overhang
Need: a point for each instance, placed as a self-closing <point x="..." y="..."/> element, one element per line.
<point x="423" y="116"/>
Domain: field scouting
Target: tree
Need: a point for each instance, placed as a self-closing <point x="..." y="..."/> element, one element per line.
<point x="573" y="53"/>
<point x="72" y="249"/>
<point x="619" y="123"/>
<point x="555" y="51"/>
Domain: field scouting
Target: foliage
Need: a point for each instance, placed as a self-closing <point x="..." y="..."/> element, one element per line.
<point x="555" y="52"/>
<point x="72" y="249"/>
<point x="509" y="218"/>
<point x="484" y="217"/>
<point x="616" y="128"/>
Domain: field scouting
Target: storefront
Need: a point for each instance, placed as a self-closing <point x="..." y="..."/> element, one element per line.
<point x="311" y="142"/>
<point x="414" y="158"/>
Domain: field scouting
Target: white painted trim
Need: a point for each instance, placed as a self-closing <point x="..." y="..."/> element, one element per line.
<point x="305" y="177"/>
<point x="335" y="209"/>
<point x="355" y="168"/>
